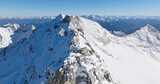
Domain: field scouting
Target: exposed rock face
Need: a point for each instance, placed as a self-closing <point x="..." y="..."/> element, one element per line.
<point x="74" y="69"/>
<point x="67" y="19"/>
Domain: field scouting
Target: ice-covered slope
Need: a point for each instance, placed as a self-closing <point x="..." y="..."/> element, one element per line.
<point x="147" y="39"/>
<point x="75" y="50"/>
<point x="137" y="57"/>
<point x="12" y="33"/>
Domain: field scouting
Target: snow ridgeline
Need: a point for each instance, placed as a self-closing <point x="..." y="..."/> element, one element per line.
<point x="84" y="65"/>
<point x="75" y="50"/>
<point x="39" y="53"/>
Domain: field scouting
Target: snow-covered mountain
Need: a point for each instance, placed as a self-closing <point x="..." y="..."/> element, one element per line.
<point x="13" y="33"/>
<point x="75" y="50"/>
<point x="120" y="25"/>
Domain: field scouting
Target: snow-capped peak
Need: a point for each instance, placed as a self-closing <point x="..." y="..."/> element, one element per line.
<point x="147" y="34"/>
<point x="146" y="38"/>
<point x="148" y="28"/>
<point x="60" y="17"/>
<point x="85" y="26"/>
<point x="83" y="65"/>
<point x="14" y="27"/>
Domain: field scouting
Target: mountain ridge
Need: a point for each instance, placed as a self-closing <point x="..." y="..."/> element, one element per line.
<point x="76" y="50"/>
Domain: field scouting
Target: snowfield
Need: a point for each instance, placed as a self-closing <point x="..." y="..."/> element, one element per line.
<point x="76" y="50"/>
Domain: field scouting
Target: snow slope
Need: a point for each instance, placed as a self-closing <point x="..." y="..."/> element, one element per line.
<point x="75" y="50"/>
<point x="137" y="57"/>
<point x="125" y="24"/>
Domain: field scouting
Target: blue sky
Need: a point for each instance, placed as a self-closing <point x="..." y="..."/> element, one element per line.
<point x="80" y="7"/>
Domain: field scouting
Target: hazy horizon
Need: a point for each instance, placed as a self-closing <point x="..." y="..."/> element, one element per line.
<point x="28" y="8"/>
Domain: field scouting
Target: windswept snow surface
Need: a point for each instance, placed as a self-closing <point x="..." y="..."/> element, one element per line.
<point x="75" y="50"/>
